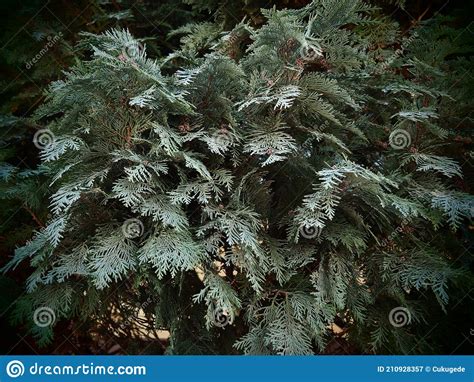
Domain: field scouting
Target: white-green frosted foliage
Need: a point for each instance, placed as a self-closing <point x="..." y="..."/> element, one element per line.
<point x="224" y="166"/>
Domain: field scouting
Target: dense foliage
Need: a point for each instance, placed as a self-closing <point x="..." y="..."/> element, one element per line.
<point x="262" y="190"/>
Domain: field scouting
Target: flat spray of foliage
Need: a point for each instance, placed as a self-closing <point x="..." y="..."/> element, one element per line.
<point x="269" y="165"/>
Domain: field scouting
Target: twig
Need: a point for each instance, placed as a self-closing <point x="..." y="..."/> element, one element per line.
<point x="33" y="215"/>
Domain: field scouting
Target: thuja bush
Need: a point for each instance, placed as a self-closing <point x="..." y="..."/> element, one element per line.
<point x="258" y="191"/>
